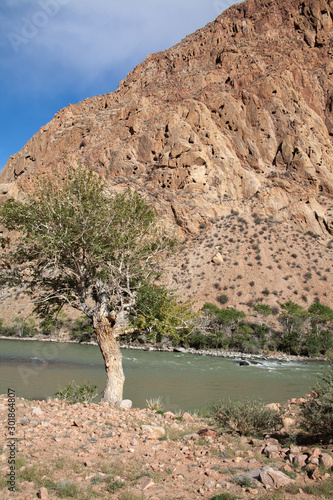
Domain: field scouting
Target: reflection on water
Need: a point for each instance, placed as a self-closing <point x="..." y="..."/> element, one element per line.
<point x="36" y="370"/>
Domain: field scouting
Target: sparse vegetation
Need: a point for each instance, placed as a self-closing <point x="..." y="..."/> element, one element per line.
<point x="74" y="393"/>
<point x="247" y="417"/>
<point x="317" y="411"/>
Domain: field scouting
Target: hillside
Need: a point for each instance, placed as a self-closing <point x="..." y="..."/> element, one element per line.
<point x="229" y="133"/>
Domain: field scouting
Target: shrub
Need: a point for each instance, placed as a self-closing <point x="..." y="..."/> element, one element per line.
<point x="222" y="299"/>
<point x="247" y="417"/>
<point x="223" y="316"/>
<point x="291" y="343"/>
<point x="155" y="404"/>
<point x="82" y="329"/>
<point x="317" y="411"/>
<point x="263" y="309"/>
<point x="321" y="312"/>
<point x="74" y="393"/>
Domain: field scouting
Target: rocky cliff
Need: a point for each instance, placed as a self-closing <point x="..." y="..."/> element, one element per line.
<point x="237" y="116"/>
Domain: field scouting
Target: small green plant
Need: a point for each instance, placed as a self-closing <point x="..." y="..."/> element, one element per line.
<point x="248" y="417"/>
<point x="263" y="309"/>
<point x="155" y="404"/>
<point x="74" y="393"/>
<point x="68" y="490"/>
<point x="112" y="485"/>
<point x="317" y="411"/>
<point x="224" y="496"/>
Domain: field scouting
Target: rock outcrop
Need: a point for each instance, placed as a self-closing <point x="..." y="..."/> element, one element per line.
<point x="241" y="109"/>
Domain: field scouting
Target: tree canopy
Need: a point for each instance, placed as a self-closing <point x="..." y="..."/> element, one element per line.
<point x="80" y="245"/>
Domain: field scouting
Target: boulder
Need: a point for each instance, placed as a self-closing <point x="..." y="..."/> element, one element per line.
<point x="125" y="404"/>
<point x="218" y="259"/>
<point x="274" y="478"/>
<point x="153" y="432"/>
<point x="326" y="461"/>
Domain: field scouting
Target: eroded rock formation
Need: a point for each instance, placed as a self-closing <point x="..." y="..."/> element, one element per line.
<point x="241" y="110"/>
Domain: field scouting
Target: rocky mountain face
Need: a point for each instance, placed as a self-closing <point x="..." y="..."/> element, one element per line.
<point x="236" y="117"/>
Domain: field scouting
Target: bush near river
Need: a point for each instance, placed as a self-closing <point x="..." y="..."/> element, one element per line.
<point x="302" y="332"/>
<point x="161" y="319"/>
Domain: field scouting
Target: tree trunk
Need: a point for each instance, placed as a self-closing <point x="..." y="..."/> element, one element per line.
<point x="109" y="345"/>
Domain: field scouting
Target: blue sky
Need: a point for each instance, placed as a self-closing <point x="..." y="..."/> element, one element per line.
<point x="57" y="52"/>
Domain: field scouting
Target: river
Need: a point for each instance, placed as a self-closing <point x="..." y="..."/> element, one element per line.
<point x="184" y="381"/>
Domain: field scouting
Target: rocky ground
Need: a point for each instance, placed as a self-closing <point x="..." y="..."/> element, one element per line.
<point x="99" y="451"/>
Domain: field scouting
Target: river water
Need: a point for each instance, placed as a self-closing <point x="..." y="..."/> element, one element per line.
<point x="184" y="381"/>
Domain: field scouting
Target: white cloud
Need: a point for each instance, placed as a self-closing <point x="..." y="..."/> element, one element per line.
<point x="86" y="38"/>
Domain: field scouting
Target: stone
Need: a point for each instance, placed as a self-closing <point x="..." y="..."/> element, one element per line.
<point x="144" y="483"/>
<point x="125" y="404"/>
<point x="274" y="478"/>
<point x="194" y="436"/>
<point x="205" y="432"/>
<point x="210" y="484"/>
<point x="153" y="432"/>
<point x="271" y="450"/>
<point x="187" y="417"/>
<point x="218" y="259"/>
<point x="273" y="406"/>
<point x="288" y="423"/>
<point x="326" y="461"/>
<point x="36" y="412"/>
<point x="42" y="493"/>
<point x="300" y="460"/>
<point x="295" y="450"/>
<point x="169" y="415"/>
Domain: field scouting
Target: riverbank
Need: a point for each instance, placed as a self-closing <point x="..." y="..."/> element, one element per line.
<point x="282" y="357"/>
<point x="87" y="451"/>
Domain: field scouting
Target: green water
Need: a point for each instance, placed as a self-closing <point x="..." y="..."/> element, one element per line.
<point x="36" y="369"/>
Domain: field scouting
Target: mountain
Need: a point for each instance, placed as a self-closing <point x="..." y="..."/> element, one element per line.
<point x="228" y="132"/>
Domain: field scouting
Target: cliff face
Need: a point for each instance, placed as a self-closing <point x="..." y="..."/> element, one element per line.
<point x="240" y="110"/>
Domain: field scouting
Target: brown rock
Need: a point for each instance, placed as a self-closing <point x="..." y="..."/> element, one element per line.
<point x="42" y="493"/>
<point x="187" y="417"/>
<point x="275" y="478"/>
<point x="271" y="450"/>
<point x="326" y="461"/>
<point x="145" y="483"/>
<point x="153" y="432"/>
<point x="169" y="415"/>
<point x="300" y="460"/>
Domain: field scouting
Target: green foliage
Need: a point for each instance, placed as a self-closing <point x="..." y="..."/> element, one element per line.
<point x="263" y="309"/>
<point x="224" y="496"/>
<point x="74" y="393"/>
<point x="20" y="328"/>
<point x="159" y="314"/>
<point x="317" y="411"/>
<point x="290" y="342"/>
<point x="223" y="316"/>
<point x="155" y="404"/>
<point x="112" y="485"/>
<point x="248" y="417"/>
<point x="295" y="310"/>
<point x="321" y="489"/>
<point x="82" y="329"/>
<point x="81" y="245"/>
<point x="65" y="489"/>
<point x="320" y="312"/>
<point x="318" y="342"/>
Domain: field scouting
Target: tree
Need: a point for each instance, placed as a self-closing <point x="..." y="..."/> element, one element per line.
<point x="82" y="246"/>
